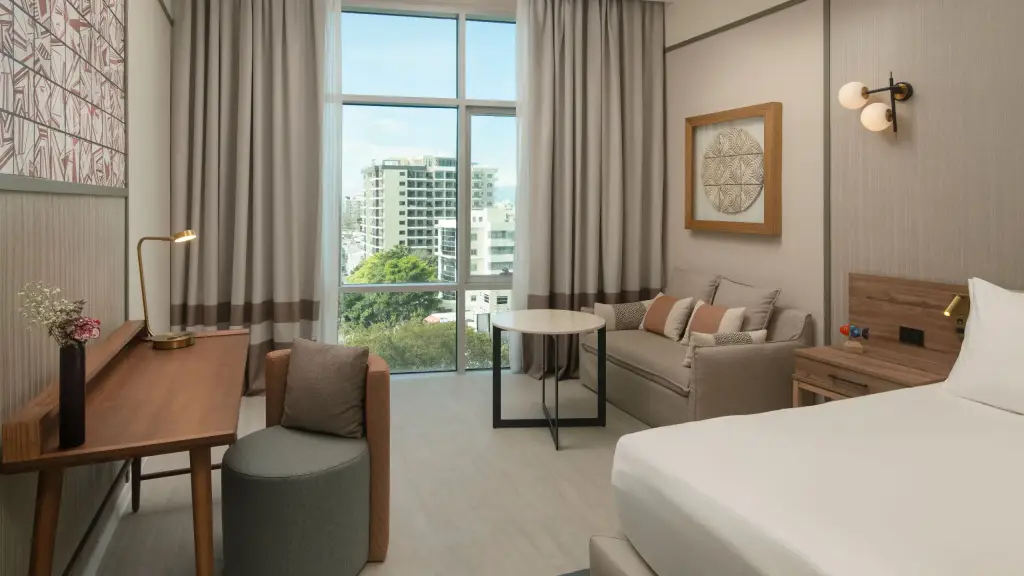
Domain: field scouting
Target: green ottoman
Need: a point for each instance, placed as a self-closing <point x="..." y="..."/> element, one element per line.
<point x="295" y="502"/>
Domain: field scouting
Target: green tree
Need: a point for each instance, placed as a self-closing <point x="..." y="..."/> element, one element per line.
<point x="419" y="346"/>
<point x="397" y="265"/>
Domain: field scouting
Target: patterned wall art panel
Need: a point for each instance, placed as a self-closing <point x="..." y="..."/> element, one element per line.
<point x="62" y="90"/>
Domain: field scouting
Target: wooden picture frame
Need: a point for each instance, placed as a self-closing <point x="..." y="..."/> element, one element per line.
<point x="771" y="223"/>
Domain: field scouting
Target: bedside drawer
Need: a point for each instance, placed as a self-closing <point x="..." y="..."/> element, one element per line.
<point x="840" y="380"/>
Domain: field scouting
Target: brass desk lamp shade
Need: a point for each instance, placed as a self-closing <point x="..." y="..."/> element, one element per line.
<point x="169" y="340"/>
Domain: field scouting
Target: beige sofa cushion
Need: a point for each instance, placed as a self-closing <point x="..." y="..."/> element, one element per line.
<point x="684" y="283"/>
<point x="654" y="357"/>
<point x="788" y="324"/>
<point x="759" y="302"/>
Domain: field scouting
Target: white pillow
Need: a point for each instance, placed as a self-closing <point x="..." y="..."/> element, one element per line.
<point x="990" y="368"/>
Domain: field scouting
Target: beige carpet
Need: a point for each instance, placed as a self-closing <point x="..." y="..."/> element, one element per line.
<point x="466" y="499"/>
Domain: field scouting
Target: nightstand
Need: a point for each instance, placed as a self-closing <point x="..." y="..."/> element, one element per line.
<point x="837" y="375"/>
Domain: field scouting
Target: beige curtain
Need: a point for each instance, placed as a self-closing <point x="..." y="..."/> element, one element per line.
<point x="246" y="170"/>
<point x="592" y="157"/>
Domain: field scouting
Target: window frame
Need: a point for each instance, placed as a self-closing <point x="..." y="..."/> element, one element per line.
<point x="466" y="281"/>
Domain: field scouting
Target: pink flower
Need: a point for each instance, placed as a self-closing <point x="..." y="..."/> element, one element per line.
<point x="85" y="329"/>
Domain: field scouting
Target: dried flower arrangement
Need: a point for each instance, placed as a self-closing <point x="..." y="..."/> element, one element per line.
<point x="62" y="318"/>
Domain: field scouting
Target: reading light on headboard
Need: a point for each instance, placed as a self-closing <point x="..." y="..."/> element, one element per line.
<point x="957" y="298"/>
<point x="961" y="319"/>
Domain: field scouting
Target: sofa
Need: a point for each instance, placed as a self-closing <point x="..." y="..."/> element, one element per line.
<point x="647" y="379"/>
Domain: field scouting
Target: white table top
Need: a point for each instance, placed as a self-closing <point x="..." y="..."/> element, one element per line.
<point x="547" y="322"/>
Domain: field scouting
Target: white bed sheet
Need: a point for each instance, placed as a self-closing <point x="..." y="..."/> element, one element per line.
<point x="914" y="482"/>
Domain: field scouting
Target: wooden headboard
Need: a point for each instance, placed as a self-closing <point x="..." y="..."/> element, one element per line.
<point x="885" y="304"/>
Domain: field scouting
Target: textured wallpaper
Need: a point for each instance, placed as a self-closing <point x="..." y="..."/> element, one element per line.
<point x="62" y="90"/>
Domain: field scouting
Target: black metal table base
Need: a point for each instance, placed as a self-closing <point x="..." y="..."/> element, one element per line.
<point x="552" y="423"/>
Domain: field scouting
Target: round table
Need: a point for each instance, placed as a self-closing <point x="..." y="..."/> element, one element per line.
<point x="546" y="323"/>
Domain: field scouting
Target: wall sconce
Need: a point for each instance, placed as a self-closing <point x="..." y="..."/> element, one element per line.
<point x="878" y="116"/>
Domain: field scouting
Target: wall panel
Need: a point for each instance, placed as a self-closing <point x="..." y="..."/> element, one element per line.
<point x="942" y="201"/>
<point x="77" y="243"/>
<point x="778" y="58"/>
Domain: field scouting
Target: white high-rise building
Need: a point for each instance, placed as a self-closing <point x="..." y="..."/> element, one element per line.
<point x="405" y="198"/>
<point x="491" y="248"/>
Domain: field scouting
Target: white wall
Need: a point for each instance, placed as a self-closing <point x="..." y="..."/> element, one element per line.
<point x="685" y="19"/>
<point x="149" y="153"/>
<point x="778" y="58"/>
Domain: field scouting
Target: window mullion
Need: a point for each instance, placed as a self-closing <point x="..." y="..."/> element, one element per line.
<point x="461" y="51"/>
<point x="462" y="204"/>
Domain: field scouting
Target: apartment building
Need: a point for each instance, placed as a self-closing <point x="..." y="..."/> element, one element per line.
<point x="491" y="252"/>
<point x="405" y="198"/>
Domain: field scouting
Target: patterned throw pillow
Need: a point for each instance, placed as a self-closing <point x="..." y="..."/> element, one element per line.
<point x="622" y="316"/>
<point x="710" y="319"/>
<point x="667" y="316"/>
<point x="698" y="339"/>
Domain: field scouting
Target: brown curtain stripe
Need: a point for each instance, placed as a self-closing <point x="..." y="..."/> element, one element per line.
<point x="228" y="314"/>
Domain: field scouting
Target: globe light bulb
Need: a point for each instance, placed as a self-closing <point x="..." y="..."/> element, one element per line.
<point x="876" y="117"/>
<point x="852" y="97"/>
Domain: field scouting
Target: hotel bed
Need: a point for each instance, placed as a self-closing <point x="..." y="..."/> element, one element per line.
<point x="914" y="482"/>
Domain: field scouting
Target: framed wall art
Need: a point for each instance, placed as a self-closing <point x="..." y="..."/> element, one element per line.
<point x="734" y="171"/>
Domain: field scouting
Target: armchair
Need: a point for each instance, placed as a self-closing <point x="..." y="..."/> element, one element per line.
<point x="301" y="502"/>
<point x="378" y="436"/>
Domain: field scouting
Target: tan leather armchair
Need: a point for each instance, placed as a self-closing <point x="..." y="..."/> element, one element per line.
<point x="378" y="437"/>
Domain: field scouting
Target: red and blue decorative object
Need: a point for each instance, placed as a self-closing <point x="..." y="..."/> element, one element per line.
<point x="855" y="334"/>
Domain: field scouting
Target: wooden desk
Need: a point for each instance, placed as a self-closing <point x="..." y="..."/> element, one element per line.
<point x="139" y="402"/>
<point x="835" y="374"/>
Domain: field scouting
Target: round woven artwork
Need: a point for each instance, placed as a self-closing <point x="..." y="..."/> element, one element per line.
<point x="733" y="170"/>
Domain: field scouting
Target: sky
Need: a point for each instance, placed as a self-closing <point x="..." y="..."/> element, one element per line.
<point x="411" y="56"/>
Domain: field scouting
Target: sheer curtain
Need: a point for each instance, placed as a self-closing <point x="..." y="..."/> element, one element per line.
<point x="330" y="220"/>
<point x="591" y="158"/>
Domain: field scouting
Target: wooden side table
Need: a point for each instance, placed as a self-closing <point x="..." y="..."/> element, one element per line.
<point x="837" y="375"/>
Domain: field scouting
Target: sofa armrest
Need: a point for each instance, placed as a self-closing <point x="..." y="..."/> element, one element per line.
<point x="378" y="437"/>
<point x="742" y="379"/>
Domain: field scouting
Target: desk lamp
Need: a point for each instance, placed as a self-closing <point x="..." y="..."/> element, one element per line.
<point x="169" y="340"/>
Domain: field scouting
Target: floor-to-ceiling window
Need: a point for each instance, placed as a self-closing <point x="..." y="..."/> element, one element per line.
<point x="427" y="222"/>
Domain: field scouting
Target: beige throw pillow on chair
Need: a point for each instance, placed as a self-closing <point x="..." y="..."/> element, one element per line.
<point x="326" y="388"/>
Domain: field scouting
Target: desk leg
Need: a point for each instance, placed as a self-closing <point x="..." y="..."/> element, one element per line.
<point x="44" y="532"/>
<point x="136" y="483"/>
<point x="202" y="510"/>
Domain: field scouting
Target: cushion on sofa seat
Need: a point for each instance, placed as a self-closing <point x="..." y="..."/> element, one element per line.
<point x="654" y="357"/>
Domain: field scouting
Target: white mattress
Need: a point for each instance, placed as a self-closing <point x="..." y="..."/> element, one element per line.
<point x="915" y="482"/>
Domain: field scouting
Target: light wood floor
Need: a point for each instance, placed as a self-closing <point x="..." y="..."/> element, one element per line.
<point x="466" y="499"/>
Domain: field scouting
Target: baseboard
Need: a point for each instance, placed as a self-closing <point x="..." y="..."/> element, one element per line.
<point x="96" y="541"/>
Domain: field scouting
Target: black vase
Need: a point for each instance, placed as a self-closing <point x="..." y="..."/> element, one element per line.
<point x="72" y="395"/>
